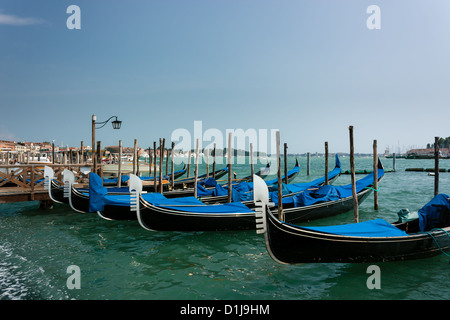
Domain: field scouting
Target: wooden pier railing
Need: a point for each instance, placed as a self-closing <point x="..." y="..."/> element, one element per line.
<point x="25" y="182"/>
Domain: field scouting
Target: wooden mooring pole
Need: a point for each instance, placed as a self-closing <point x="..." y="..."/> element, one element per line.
<point x="167" y="163"/>
<point x="252" y="168"/>
<point x="230" y="181"/>
<point x="436" y="165"/>
<point x="135" y="157"/>
<point x="196" y="170"/>
<point x="119" y="166"/>
<point x="280" y="192"/>
<point x="326" y="162"/>
<point x="214" y="163"/>
<point x="189" y="164"/>
<point x="82" y="153"/>
<point x="207" y="163"/>
<point x="161" y="161"/>
<point x="308" y="163"/>
<point x="99" y="158"/>
<point x="375" y="175"/>
<point x="393" y="162"/>
<point x="150" y="161"/>
<point x="94" y="158"/>
<point x="155" y="158"/>
<point x="352" y="167"/>
<point x="172" y="166"/>
<point x="286" y="179"/>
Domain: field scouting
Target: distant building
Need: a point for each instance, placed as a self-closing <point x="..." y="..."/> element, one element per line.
<point x="427" y="153"/>
<point x="20" y="147"/>
<point x="7" y="146"/>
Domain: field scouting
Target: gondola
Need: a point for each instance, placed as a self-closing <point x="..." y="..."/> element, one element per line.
<point x="188" y="213"/>
<point x="156" y="215"/>
<point x="118" y="208"/>
<point x="79" y="195"/>
<point x="325" y="201"/>
<point x="185" y="187"/>
<point x="243" y="192"/>
<point x="56" y="190"/>
<point x="364" y="242"/>
<point x="191" y="214"/>
<point x="115" y="208"/>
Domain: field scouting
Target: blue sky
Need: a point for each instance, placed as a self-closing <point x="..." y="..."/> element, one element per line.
<point x="308" y="68"/>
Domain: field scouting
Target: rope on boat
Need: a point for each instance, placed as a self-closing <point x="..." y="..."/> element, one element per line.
<point x="377" y="190"/>
<point x="448" y="255"/>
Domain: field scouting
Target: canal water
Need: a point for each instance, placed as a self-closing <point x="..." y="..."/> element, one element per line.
<point x="121" y="260"/>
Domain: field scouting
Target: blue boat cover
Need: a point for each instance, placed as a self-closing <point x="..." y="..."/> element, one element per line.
<point x="328" y="192"/>
<point x="435" y="213"/>
<point x="99" y="197"/>
<point x="96" y="193"/>
<point x="110" y="180"/>
<point x="299" y="187"/>
<point x="243" y="191"/>
<point x="183" y="205"/>
<point x="193" y="205"/>
<point x="373" y="228"/>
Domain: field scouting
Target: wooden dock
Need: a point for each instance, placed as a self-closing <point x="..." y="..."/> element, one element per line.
<point x="20" y="194"/>
<point x="25" y="182"/>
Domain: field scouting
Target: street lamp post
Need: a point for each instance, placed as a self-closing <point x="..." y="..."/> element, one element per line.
<point x="116" y="124"/>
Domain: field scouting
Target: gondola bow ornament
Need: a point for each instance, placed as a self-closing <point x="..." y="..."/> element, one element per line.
<point x="261" y="199"/>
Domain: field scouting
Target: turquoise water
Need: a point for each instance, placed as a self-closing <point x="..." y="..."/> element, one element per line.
<point x="121" y="260"/>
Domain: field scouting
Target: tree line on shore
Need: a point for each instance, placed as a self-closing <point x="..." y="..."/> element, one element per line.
<point x="442" y="142"/>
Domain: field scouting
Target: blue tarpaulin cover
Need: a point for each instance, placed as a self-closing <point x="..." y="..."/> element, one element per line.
<point x="330" y="193"/>
<point x="434" y="212"/>
<point x="96" y="193"/>
<point x="193" y="205"/>
<point x="243" y="191"/>
<point x="372" y="228"/>
<point x="99" y="197"/>
<point x="234" y="207"/>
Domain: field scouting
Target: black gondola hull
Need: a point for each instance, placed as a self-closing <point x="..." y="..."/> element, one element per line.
<point x="111" y="212"/>
<point x="79" y="201"/>
<point x="57" y="193"/>
<point x="291" y="244"/>
<point x="162" y="219"/>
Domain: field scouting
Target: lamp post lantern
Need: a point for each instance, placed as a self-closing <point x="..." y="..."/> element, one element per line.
<point x="116" y="124"/>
